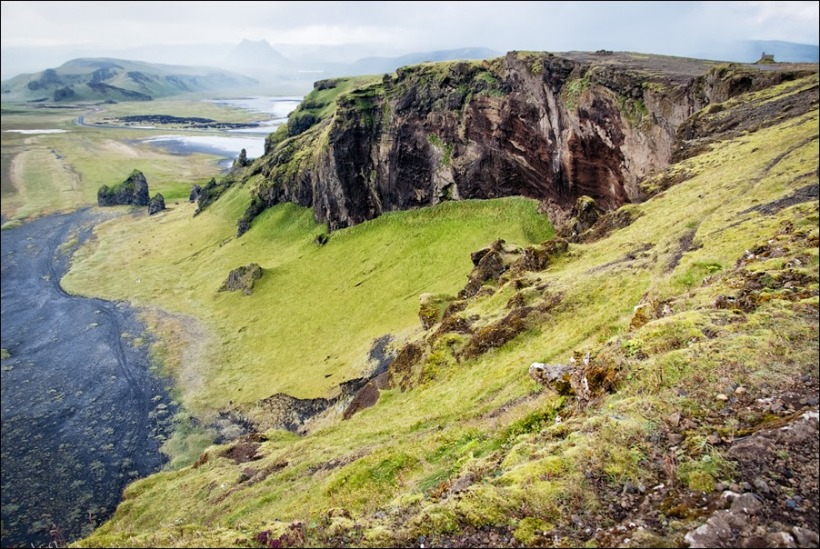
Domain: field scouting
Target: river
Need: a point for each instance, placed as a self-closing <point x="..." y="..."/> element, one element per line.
<point x="273" y="113"/>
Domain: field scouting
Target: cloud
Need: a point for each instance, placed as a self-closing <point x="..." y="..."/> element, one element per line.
<point x="674" y="28"/>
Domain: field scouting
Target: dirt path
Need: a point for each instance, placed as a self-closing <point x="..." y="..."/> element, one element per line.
<point x="81" y="412"/>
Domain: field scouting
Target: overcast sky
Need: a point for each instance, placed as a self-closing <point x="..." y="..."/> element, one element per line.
<point x="676" y="28"/>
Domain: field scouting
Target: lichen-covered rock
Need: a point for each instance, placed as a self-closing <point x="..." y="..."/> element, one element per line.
<point x="454" y="324"/>
<point x="498" y="333"/>
<point x="402" y="370"/>
<point x="490" y="263"/>
<point x="242" y="278"/>
<point x="609" y="222"/>
<point x="132" y="191"/>
<point x="643" y="314"/>
<point x="537" y="258"/>
<point x="556" y="376"/>
<point x="585" y="213"/>
<point x="156" y="205"/>
<point x="428" y="315"/>
<point x="429" y="311"/>
<point x="582" y="378"/>
<point x="489" y="267"/>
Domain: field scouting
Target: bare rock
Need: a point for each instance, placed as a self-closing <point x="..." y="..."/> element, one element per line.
<point x="746" y="503"/>
<point x="805" y="537"/>
<point x="132" y="191"/>
<point x="156" y="205"/>
<point x="715" y="533"/>
<point x="196" y="192"/>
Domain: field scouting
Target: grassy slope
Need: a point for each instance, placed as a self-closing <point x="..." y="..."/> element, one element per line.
<point x="391" y="467"/>
<point x="313" y="316"/>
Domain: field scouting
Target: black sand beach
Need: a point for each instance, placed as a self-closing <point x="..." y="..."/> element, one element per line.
<point x="82" y="413"/>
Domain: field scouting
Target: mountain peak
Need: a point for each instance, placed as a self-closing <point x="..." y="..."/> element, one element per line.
<point x="255" y="53"/>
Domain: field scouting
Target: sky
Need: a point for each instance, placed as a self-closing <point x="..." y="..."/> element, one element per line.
<point x="36" y="32"/>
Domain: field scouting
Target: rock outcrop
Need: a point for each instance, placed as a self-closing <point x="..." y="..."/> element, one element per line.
<point x="157" y="204"/>
<point x="550" y="127"/>
<point x="196" y="192"/>
<point x="242" y="278"/>
<point x="132" y="191"/>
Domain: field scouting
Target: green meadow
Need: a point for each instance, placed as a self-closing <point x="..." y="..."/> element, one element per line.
<point x="473" y="442"/>
<point x="315" y="313"/>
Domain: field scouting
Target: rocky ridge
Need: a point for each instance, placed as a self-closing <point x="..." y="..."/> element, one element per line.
<point x="548" y="126"/>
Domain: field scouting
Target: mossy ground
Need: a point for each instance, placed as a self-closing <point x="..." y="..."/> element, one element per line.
<point x="731" y="300"/>
<point x="362" y="284"/>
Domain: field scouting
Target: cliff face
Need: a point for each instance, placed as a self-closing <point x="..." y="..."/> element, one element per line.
<point x="532" y="124"/>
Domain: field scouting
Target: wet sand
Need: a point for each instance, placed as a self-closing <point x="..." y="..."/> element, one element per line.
<point x="82" y="412"/>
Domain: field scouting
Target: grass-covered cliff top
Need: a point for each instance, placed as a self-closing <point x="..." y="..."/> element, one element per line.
<point x="698" y="317"/>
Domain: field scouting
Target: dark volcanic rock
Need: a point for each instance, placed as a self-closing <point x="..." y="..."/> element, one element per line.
<point x="156" y="205"/>
<point x="544" y="126"/>
<point x="196" y="192"/>
<point x="242" y="159"/>
<point x="368" y="395"/>
<point x="132" y="191"/>
<point x="583" y="216"/>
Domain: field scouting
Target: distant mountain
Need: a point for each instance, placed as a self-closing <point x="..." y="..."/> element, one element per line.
<point x="749" y="51"/>
<point x="375" y="65"/>
<point x="256" y="54"/>
<point x="117" y="79"/>
<point x="786" y="52"/>
<point x="259" y="59"/>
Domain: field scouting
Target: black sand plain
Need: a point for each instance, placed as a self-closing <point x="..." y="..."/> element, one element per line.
<point x="82" y="411"/>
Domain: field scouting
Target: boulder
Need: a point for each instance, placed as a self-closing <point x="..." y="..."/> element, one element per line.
<point x="156" y="205"/>
<point x="584" y="215"/>
<point x="132" y="191"/>
<point x="242" y="160"/>
<point x="242" y="278"/>
<point x="368" y="395"/>
<point x="582" y="378"/>
<point x="556" y="376"/>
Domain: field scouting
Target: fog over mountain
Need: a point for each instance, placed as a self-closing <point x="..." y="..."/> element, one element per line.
<point x="38" y="35"/>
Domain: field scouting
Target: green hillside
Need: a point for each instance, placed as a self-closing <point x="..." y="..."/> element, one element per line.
<point x="117" y="80"/>
<point x="694" y="307"/>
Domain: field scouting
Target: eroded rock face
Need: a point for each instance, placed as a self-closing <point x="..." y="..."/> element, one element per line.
<point x="529" y="124"/>
<point x="132" y="191"/>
